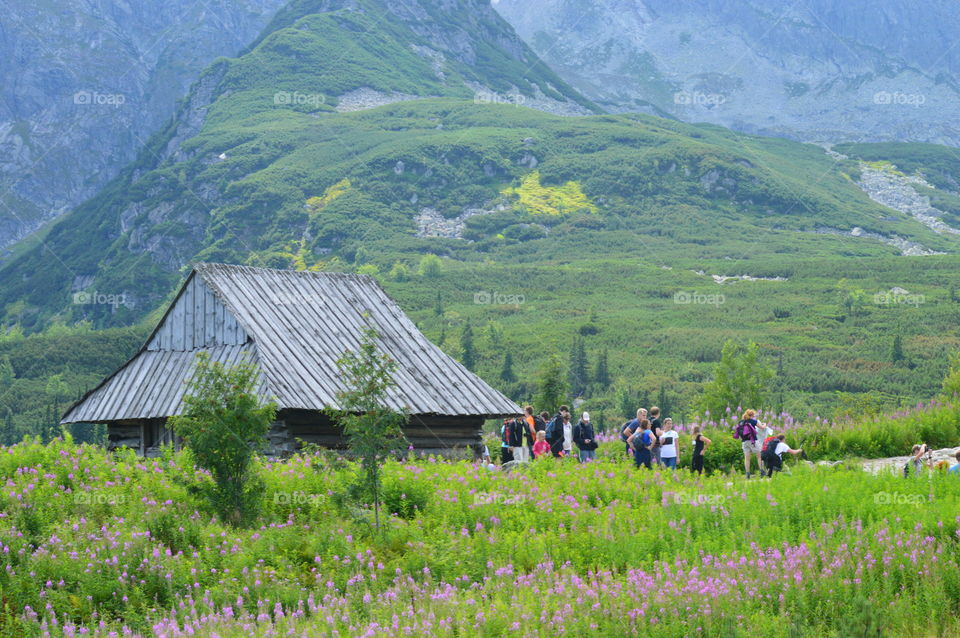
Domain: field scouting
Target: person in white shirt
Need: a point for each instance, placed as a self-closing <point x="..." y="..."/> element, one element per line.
<point x="567" y="435"/>
<point x="669" y="445"/>
<point x="775" y="452"/>
<point x="560" y="433"/>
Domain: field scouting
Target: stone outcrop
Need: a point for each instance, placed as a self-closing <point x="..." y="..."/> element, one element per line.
<point x="432" y="223"/>
<point x="906" y="247"/>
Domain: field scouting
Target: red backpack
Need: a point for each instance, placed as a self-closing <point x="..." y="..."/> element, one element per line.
<point x="766" y="442"/>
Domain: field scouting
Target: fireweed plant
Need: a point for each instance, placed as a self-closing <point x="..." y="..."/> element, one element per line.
<point x="114" y="545"/>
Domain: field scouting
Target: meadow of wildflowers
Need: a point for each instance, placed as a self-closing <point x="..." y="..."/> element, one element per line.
<point x="101" y="545"/>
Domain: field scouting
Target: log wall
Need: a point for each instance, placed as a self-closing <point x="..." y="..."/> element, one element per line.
<point x="452" y="437"/>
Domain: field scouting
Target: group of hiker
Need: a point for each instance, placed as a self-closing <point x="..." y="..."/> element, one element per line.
<point x="921" y="457"/>
<point x="768" y="450"/>
<point x="648" y="439"/>
<point x="536" y="435"/>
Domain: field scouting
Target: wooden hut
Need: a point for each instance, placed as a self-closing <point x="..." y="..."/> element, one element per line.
<point x="293" y="326"/>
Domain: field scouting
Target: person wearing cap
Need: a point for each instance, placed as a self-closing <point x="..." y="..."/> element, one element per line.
<point x="585" y="438"/>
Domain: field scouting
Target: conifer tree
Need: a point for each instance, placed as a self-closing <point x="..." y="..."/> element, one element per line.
<point x="506" y="373"/>
<point x="468" y="352"/>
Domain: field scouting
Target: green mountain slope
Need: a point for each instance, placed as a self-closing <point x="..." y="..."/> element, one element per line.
<point x="364" y="135"/>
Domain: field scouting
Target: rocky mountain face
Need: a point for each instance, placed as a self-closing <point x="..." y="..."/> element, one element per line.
<point x="200" y="184"/>
<point x="86" y="82"/>
<point x="822" y="70"/>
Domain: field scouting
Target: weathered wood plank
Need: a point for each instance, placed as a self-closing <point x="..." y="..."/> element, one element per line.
<point x="198" y="338"/>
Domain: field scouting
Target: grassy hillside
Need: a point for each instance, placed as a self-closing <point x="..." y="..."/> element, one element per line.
<point x="664" y="189"/>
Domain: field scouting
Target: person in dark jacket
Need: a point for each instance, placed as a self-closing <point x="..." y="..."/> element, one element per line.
<point x="505" y="454"/>
<point x="700" y="443"/>
<point x="585" y="438"/>
<point x="560" y="433"/>
<point x="545" y="417"/>
<point x="656" y="426"/>
<point x="515" y="438"/>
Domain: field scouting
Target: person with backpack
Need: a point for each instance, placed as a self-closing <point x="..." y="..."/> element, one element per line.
<point x="916" y="460"/>
<point x="505" y="454"/>
<point x="773" y="457"/>
<point x="544" y="419"/>
<point x="585" y="438"/>
<point x="765" y="434"/>
<point x="516" y="429"/>
<point x="669" y="444"/>
<point x="746" y="432"/>
<point x="530" y="432"/>
<point x="630" y="427"/>
<point x="640" y="443"/>
<point x="700" y="443"/>
<point x="656" y="426"/>
<point x="560" y="433"/>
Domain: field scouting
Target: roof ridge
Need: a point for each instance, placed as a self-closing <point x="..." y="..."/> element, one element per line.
<point x="205" y="266"/>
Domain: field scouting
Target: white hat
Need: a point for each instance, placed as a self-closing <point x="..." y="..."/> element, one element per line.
<point x="585" y="416"/>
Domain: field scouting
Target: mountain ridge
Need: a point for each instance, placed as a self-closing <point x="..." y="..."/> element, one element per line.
<point x="820" y="71"/>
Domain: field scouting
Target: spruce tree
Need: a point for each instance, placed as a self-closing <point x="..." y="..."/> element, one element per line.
<point x="9" y="434"/>
<point x="468" y="353"/>
<point x="551" y="387"/>
<point x="663" y="402"/>
<point x="601" y="375"/>
<point x="374" y="432"/>
<point x="896" y="350"/>
<point x="6" y="373"/>
<point x="224" y="424"/>
<point x="506" y="373"/>
<point x="578" y="367"/>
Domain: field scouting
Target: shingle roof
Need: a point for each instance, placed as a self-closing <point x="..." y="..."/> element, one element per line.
<point x="296" y="325"/>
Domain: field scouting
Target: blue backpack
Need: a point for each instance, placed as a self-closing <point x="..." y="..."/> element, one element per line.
<point x="551" y="428"/>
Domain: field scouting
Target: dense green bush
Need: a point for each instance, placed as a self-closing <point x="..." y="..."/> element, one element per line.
<point x="223" y="425"/>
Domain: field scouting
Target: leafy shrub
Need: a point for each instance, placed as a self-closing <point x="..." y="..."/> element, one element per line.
<point x="223" y="424"/>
